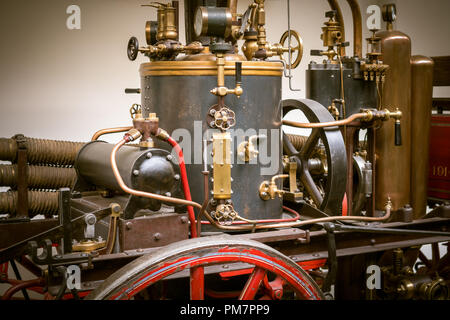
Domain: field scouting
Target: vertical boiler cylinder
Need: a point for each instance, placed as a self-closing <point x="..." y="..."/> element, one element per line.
<point x="393" y="163"/>
<point x="421" y="100"/>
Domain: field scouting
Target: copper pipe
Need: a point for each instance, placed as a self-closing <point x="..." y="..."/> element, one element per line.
<point x="305" y="222"/>
<point x="101" y="132"/>
<point x="325" y="124"/>
<point x="39" y="282"/>
<point x="232" y="5"/>
<point x="357" y="28"/>
<point x="339" y="18"/>
<point x="137" y="193"/>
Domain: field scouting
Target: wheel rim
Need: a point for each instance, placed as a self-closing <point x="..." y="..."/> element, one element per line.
<point x="195" y="255"/>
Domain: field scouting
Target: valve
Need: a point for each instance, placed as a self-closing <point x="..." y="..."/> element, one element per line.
<point x="269" y="190"/>
<point x="221" y="90"/>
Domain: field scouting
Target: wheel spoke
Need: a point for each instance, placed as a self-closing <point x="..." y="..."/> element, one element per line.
<point x="197" y="284"/>
<point x="424" y="259"/>
<point x="310" y="144"/>
<point x="311" y="187"/>
<point x="253" y="283"/>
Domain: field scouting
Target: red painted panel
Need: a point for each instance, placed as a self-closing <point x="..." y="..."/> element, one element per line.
<point x="439" y="170"/>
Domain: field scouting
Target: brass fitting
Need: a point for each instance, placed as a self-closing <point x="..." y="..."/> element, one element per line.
<point x="269" y="190"/>
<point x="133" y="134"/>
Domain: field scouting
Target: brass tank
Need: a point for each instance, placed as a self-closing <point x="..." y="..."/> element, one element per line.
<point x="393" y="163"/>
<point x="421" y="100"/>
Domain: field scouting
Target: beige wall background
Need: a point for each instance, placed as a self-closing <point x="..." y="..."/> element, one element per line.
<point x="65" y="84"/>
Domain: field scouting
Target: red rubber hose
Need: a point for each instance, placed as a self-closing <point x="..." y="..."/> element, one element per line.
<point x="185" y="182"/>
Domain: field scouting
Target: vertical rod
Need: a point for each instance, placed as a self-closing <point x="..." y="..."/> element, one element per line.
<point x="18" y="277"/>
<point x="197" y="285"/>
<point x="64" y="218"/>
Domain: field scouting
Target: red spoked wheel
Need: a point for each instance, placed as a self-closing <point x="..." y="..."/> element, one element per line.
<point x="197" y="255"/>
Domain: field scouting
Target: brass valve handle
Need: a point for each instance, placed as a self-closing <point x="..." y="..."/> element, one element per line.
<point x="298" y="48"/>
<point x="136" y="111"/>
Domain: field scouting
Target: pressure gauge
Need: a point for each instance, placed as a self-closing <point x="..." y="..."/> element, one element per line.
<point x="151" y="30"/>
<point x="212" y="22"/>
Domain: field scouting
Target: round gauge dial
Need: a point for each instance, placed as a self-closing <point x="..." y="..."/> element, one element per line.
<point x="199" y="21"/>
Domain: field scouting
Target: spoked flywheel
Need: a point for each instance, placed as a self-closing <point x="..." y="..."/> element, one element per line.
<point x="270" y="271"/>
<point x="324" y="147"/>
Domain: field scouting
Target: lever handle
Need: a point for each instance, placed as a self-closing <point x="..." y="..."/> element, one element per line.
<point x="238" y="72"/>
<point x="398" y="133"/>
<point x="132" y="90"/>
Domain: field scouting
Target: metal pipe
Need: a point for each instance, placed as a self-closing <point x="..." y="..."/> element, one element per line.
<point x="357" y="28"/>
<point x="232" y="5"/>
<point x="39" y="177"/>
<point x="101" y="132"/>
<point x="137" y="193"/>
<point x="39" y="202"/>
<point x="335" y="6"/>
<point x="305" y="222"/>
<point x="23" y="285"/>
<point x="325" y="124"/>
<point x="41" y="151"/>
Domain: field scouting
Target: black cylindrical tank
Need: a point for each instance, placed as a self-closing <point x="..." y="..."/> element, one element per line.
<point x="145" y="169"/>
<point x="179" y="93"/>
<point x="323" y="84"/>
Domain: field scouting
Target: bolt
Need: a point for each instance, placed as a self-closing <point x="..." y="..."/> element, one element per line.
<point x="136" y="172"/>
<point x="87" y="284"/>
<point x="149" y="155"/>
<point x="128" y="225"/>
<point x="168" y="194"/>
<point x="184" y="219"/>
<point x="139" y="250"/>
<point x="372" y="241"/>
<point x="99" y="239"/>
<point x="212" y="112"/>
<point x="212" y="124"/>
<point x="225" y="266"/>
<point x="157" y="236"/>
<point x="176" y="177"/>
<point x="315" y="254"/>
<point x="169" y="157"/>
<point x="91" y="220"/>
<point x="264" y="194"/>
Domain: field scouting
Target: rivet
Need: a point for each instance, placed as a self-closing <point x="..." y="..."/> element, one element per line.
<point x="184" y="219"/>
<point x="136" y="172"/>
<point x="149" y="155"/>
<point x="128" y="225"/>
<point x="169" y="157"/>
<point x="157" y="236"/>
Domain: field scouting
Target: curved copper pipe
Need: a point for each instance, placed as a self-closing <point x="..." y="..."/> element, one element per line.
<point x="339" y="18"/>
<point x="232" y="5"/>
<point x="101" y="132"/>
<point x="22" y="285"/>
<point x="304" y="222"/>
<point x="137" y="193"/>
<point x="357" y="28"/>
<point x="325" y="124"/>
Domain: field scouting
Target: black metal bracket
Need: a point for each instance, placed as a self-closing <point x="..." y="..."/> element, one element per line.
<point x="332" y="258"/>
<point x="47" y="258"/>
